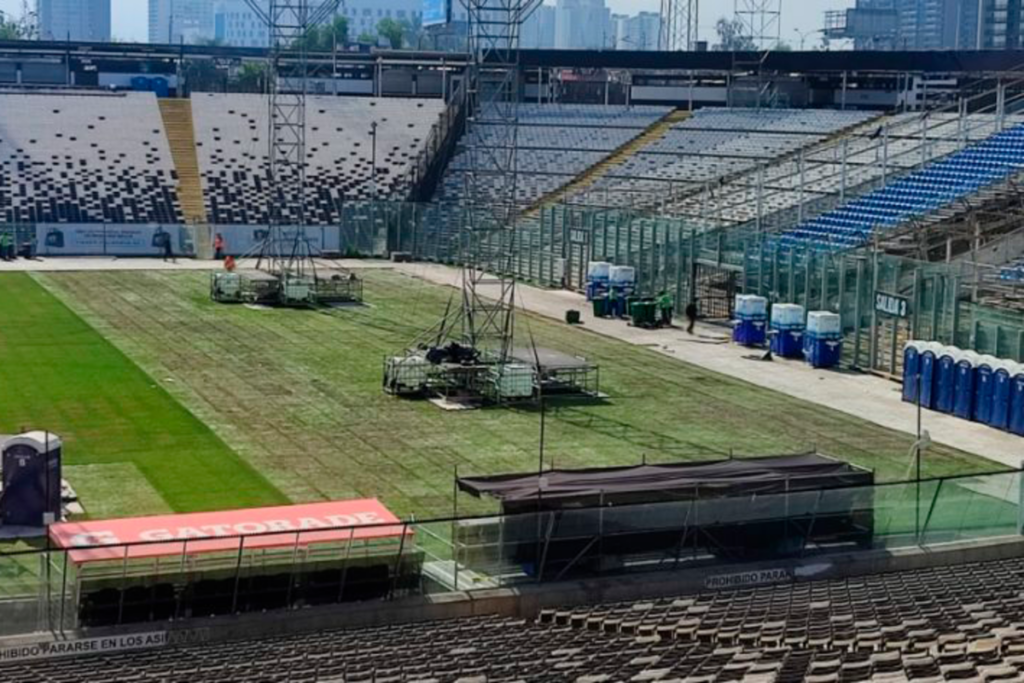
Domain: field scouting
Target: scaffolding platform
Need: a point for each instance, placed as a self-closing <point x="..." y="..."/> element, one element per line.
<point x="561" y="373"/>
<point x="260" y="287"/>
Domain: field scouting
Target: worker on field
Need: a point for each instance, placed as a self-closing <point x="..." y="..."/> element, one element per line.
<point x="218" y="247"/>
<point x="691" y="315"/>
<point x="666" y="306"/>
<point x="229" y="264"/>
<point x="613" y="302"/>
<point x="168" y="248"/>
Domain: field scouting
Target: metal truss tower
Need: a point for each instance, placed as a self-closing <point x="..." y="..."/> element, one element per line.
<point x="492" y="210"/>
<point x="286" y="250"/>
<point x="679" y="21"/>
<point x="760" y="21"/>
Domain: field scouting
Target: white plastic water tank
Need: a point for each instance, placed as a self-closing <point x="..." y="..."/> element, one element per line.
<point x="750" y="305"/>
<point x="622" y="275"/>
<point x="824" y="322"/>
<point x="598" y="271"/>
<point x="787" y="315"/>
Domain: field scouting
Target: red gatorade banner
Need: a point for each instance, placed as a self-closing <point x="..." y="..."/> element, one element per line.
<point x="206" y="532"/>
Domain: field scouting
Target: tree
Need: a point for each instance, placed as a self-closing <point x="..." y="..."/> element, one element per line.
<point x="730" y="38"/>
<point x="367" y="37"/>
<point x="392" y="31"/>
<point x="335" y="33"/>
<point x="11" y="29"/>
<point x="251" y="78"/>
<point x="783" y="46"/>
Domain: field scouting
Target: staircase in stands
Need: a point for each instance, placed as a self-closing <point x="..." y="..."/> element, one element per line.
<point x="177" y="117"/>
<point x="650" y="135"/>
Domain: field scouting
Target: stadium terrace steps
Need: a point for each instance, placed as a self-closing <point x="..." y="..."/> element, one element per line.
<point x="960" y="622"/>
<point x="654" y="132"/>
<point x="687" y="201"/>
<point x="177" y="117"/>
<point x="928" y="195"/>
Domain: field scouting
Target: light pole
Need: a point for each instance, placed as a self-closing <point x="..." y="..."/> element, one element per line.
<point x="803" y="35"/>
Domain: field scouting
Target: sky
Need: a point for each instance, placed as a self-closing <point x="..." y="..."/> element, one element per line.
<point x="129" y="16"/>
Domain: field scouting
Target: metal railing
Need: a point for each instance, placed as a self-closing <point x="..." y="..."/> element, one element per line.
<point x="47" y="590"/>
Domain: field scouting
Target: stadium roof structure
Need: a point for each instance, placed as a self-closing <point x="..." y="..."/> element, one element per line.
<point x="738" y="476"/>
<point x="898" y="61"/>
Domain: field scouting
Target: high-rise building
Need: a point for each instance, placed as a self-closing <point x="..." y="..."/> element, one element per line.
<point x="234" y="23"/>
<point x="84" y="20"/>
<point x="929" y="24"/>
<point x="639" y="32"/>
<point x="583" y="25"/>
<point x="539" y="29"/>
<point x="180" y="21"/>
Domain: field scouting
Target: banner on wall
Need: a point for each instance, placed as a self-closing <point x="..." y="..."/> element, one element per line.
<point x="99" y="239"/>
<point x="71" y="239"/>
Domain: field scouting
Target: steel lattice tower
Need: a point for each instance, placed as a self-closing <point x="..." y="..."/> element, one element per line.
<point x="286" y="249"/>
<point x="491" y="210"/>
<point x="679" y="21"/>
<point x="760" y="21"/>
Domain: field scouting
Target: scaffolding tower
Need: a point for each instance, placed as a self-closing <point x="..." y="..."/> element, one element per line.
<point x="679" y="22"/>
<point x="469" y="353"/>
<point x="760" y="21"/>
<point x="285" y="257"/>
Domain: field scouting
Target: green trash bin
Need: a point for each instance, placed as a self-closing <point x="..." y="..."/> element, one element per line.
<point x="601" y="307"/>
<point x="645" y="313"/>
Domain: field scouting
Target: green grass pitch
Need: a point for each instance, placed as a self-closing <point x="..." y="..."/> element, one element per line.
<point x="150" y="380"/>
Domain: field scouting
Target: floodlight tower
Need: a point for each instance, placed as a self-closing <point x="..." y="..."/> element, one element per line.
<point x="286" y="250"/>
<point x="679" y="21"/>
<point x="760" y="21"/>
<point x="491" y="209"/>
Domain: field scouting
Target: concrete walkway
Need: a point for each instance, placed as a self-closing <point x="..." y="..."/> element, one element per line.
<point x="865" y="396"/>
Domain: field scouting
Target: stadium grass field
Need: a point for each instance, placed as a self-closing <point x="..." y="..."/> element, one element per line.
<point x="129" y="445"/>
<point x="297" y="396"/>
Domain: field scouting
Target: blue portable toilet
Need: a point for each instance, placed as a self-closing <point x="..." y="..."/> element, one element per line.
<point x="911" y="366"/>
<point x="141" y="84"/>
<point x="160" y="86"/>
<point x="945" y="379"/>
<point x="1017" y="402"/>
<point x="963" y="402"/>
<point x="984" y="383"/>
<point x="1001" y="394"/>
<point x="928" y="361"/>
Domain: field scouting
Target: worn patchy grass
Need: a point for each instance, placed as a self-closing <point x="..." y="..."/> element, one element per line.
<point x="297" y="394"/>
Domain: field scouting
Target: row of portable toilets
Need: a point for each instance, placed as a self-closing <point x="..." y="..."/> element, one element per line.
<point x="969" y="385"/>
<point x="816" y="336"/>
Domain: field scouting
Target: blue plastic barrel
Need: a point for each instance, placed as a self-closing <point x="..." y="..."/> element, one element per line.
<point x="963" y="403"/>
<point x="928" y="362"/>
<point x="160" y="86"/>
<point x="911" y="366"/>
<point x="141" y="83"/>
<point x="1017" y="403"/>
<point x="984" y="383"/>
<point x="1001" y="394"/>
<point x="945" y="379"/>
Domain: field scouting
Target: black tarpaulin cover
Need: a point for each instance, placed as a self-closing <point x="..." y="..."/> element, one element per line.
<point x="700" y="479"/>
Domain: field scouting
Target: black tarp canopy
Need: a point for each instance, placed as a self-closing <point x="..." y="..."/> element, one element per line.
<point x="677" y="481"/>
